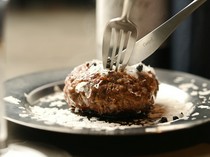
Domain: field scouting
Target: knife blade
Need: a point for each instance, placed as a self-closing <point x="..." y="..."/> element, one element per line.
<point x="147" y="45"/>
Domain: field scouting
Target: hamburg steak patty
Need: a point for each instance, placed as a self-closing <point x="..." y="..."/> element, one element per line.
<point x="90" y="87"/>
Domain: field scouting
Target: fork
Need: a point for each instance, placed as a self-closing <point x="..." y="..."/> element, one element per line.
<point x="120" y="34"/>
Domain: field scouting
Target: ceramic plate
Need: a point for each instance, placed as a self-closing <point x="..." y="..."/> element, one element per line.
<point x="36" y="100"/>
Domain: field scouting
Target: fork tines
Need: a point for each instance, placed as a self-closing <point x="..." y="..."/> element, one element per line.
<point x="115" y="41"/>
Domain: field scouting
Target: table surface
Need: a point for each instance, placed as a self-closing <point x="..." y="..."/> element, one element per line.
<point x="189" y="143"/>
<point x="42" y="40"/>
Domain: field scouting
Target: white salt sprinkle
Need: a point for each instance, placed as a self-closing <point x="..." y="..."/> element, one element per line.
<point x="204" y="107"/>
<point x="187" y="86"/>
<point x="206" y="92"/>
<point x="12" y="100"/>
<point x="178" y="79"/>
<point x="195" y="114"/>
<point x="204" y="85"/>
<point x="194" y="93"/>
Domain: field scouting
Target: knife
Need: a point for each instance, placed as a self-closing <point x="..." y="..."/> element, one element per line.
<point x="153" y="40"/>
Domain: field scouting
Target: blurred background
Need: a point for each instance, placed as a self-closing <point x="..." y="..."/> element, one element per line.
<point x="52" y="34"/>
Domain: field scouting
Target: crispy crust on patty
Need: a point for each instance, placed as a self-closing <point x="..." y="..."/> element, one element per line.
<point x="91" y="88"/>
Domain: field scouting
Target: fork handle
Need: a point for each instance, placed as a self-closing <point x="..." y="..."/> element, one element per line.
<point x="127" y="5"/>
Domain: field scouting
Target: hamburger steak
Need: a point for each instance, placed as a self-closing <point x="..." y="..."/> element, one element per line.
<point x="91" y="88"/>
